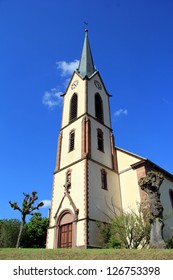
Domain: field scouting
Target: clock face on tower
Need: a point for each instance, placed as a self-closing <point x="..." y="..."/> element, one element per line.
<point x="97" y="84"/>
<point x="74" y="84"/>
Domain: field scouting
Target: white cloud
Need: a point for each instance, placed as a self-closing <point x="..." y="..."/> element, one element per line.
<point x="47" y="203"/>
<point x="121" y="112"/>
<point x="52" y="98"/>
<point x="67" y="68"/>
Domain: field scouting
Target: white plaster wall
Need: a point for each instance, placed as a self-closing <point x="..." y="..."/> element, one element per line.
<point x="102" y="157"/>
<point x="92" y="90"/>
<point x="67" y="157"/>
<point x="76" y="191"/>
<point x="130" y="192"/>
<point x="125" y="160"/>
<point x="77" y="194"/>
<point x="80" y="234"/>
<point x="99" y="199"/>
<point x="50" y="238"/>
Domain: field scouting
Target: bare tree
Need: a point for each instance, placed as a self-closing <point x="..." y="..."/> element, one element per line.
<point x="26" y="209"/>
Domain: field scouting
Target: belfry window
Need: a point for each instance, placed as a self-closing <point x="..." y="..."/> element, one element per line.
<point x="104" y="179"/>
<point x="100" y="141"/>
<point x="98" y="107"/>
<point x="73" y="107"/>
<point x="71" y="140"/>
<point x="171" y="196"/>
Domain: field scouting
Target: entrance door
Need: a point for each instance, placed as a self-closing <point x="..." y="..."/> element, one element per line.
<point x="66" y="236"/>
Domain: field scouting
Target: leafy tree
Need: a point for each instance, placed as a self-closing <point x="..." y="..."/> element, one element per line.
<point x="9" y="230"/>
<point x="35" y="232"/>
<point x="127" y="229"/>
<point x="26" y="209"/>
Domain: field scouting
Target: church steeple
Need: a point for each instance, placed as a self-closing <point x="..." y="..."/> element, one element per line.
<point x="86" y="162"/>
<point x="86" y="64"/>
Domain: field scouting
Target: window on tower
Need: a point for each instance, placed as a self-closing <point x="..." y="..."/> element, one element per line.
<point x="98" y="107"/>
<point x="73" y="107"/>
<point x="71" y="140"/>
<point x="100" y="141"/>
<point x="104" y="179"/>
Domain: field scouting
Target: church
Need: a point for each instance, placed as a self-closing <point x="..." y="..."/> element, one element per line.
<point x="91" y="173"/>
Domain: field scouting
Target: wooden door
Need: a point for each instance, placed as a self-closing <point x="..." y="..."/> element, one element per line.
<point x="66" y="236"/>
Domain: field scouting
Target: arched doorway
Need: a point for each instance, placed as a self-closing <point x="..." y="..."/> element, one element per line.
<point x="65" y="232"/>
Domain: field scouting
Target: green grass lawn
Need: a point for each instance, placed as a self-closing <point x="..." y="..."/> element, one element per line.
<point x="85" y="254"/>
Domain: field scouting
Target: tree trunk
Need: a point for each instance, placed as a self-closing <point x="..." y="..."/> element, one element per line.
<point x="19" y="236"/>
<point x="156" y="238"/>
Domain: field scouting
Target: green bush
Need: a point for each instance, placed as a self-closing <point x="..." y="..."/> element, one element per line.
<point x="33" y="234"/>
<point x="9" y="230"/>
<point x="126" y="230"/>
<point x="169" y="243"/>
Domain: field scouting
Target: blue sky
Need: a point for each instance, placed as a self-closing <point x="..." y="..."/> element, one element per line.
<point x="41" y="42"/>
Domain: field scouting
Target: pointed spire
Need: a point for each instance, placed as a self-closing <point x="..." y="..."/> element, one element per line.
<point x="86" y="64"/>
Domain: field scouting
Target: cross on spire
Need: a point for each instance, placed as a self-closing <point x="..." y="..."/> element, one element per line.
<point x="86" y="25"/>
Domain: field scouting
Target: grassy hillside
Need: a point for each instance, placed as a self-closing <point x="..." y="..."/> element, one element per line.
<point x="83" y="254"/>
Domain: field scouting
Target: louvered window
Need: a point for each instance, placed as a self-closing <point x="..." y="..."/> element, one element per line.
<point x="73" y="107"/>
<point x="104" y="179"/>
<point x="100" y="141"/>
<point x="98" y="107"/>
<point x="71" y="140"/>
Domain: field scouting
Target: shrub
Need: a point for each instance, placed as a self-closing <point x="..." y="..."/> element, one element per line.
<point x="126" y="229"/>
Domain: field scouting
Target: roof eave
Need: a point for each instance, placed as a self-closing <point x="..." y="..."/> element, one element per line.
<point x="153" y="166"/>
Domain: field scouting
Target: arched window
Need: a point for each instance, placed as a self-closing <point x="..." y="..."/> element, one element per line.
<point x="98" y="107"/>
<point x="73" y="107"/>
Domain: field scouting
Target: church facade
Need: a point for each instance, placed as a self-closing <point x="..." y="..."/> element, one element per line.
<point x="91" y="174"/>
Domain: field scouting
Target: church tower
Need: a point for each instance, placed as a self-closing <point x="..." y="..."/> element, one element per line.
<point x="85" y="179"/>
